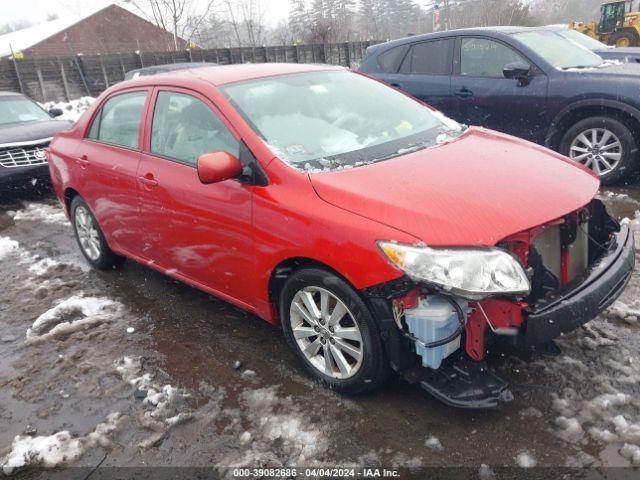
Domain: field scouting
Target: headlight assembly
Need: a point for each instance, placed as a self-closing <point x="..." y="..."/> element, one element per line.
<point x="471" y="273"/>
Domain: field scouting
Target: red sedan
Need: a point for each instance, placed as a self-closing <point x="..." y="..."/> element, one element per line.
<point x="382" y="235"/>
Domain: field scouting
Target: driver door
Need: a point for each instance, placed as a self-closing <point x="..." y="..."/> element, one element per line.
<point x="484" y="97"/>
<point x="201" y="233"/>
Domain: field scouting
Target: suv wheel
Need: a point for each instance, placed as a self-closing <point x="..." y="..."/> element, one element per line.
<point x="90" y="238"/>
<point x="603" y="144"/>
<point x="332" y="331"/>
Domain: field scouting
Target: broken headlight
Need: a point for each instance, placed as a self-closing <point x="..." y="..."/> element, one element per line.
<point x="471" y="273"/>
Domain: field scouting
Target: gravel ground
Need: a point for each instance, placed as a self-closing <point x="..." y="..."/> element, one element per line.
<point x="129" y="368"/>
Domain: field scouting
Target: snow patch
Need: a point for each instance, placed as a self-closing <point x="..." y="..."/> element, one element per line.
<point x="41" y="267"/>
<point x="41" y="212"/>
<point x="526" y="460"/>
<point x="8" y="246"/>
<point x="59" y="448"/>
<point x="434" y="444"/>
<point x="71" y="315"/>
<point x="72" y="110"/>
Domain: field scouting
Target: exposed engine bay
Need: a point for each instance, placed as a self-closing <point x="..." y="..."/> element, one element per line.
<point x="576" y="265"/>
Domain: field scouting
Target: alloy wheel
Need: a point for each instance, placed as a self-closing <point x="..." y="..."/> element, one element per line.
<point x="326" y="332"/>
<point x="598" y="149"/>
<point x="87" y="233"/>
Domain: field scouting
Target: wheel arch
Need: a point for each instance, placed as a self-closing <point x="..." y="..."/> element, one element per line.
<point x="287" y="267"/>
<point x="69" y="194"/>
<point x="587" y="108"/>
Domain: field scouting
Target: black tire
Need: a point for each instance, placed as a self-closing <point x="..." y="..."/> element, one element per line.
<point x="106" y="259"/>
<point x="629" y="146"/>
<point x="626" y="37"/>
<point x="374" y="368"/>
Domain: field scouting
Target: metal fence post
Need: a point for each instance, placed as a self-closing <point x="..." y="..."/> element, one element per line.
<point x="348" y="53"/>
<point x="104" y="73"/>
<point x="41" y="82"/>
<point x="15" y="67"/>
<point x="80" y="68"/>
<point x="65" y="84"/>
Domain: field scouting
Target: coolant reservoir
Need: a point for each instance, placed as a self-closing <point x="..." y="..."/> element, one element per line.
<point x="434" y="319"/>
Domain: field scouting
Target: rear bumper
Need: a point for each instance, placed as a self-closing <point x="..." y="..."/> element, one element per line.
<point x="600" y="288"/>
<point x="23" y="174"/>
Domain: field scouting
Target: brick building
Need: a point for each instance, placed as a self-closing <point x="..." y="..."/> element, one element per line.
<point x="112" y="29"/>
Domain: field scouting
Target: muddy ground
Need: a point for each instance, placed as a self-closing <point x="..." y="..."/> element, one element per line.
<point x="129" y="368"/>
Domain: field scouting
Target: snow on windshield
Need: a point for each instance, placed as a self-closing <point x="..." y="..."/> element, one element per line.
<point x="336" y="119"/>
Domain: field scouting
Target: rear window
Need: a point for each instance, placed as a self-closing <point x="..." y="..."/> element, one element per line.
<point x="390" y="60"/>
<point x="118" y="121"/>
<point x="431" y="58"/>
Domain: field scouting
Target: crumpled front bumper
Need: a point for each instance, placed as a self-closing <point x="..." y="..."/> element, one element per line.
<point x="570" y="309"/>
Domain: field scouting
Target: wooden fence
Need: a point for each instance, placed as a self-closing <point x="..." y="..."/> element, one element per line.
<point x="67" y="77"/>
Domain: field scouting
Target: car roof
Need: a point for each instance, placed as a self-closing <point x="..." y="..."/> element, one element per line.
<point x="499" y="30"/>
<point x="225" y="74"/>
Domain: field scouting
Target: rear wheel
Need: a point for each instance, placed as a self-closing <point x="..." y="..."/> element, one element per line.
<point x="624" y="39"/>
<point x="603" y="144"/>
<point x="332" y="331"/>
<point x="90" y="238"/>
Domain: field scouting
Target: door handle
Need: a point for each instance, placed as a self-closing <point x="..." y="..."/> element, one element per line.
<point x="464" y="93"/>
<point x="83" y="161"/>
<point x="148" y="180"/>
<point x="396" y="85"/>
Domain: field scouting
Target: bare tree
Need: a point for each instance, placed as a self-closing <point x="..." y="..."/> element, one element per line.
<point x="246" y="18"/>
<point x="182" y="18"/>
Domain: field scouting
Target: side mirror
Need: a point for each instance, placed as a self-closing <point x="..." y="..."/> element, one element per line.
<point x="518" y="71"/>
<point x="55" y="112"/>
<point x="218" y="166"/>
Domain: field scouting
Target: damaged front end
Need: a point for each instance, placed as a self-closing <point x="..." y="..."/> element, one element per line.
<point x="437" y="334"/>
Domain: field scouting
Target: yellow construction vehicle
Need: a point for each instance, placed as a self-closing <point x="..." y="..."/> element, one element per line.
<point x="619" y="24"/>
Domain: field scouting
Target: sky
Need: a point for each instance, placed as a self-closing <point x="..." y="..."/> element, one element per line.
<point x="36" y="10"/>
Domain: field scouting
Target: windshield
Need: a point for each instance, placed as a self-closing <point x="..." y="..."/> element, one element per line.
<point x="582" y="39"/>
<point x="336" y="119"/>
<point x="558" y="51"/>
<point x="17" y="109"/>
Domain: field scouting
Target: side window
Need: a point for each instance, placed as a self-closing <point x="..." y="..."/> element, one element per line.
<point x="480" y="57"/>
<point x="118" y="121"/>
<point x="185" y="128"/>
<point x="390" y="60"/>
<point x="432" y="58"/>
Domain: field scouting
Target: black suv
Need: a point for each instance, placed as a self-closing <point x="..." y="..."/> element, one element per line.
<point x="25" y="130"/>
<point x="528" y="82"/>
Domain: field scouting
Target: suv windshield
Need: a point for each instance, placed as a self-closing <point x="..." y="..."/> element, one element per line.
<point x="335" y="119"/>
<point x="558" y="51"/>
<point x="17" y="109"/>
<point x="582" y="39"/>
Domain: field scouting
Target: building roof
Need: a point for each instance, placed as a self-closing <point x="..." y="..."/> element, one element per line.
<point x="28" y="37"/>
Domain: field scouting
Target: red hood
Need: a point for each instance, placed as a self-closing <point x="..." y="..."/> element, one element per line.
<point x="476" y="190"/>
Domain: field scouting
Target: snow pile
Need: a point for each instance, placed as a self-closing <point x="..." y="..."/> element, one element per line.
<point x="41" y="212"/>
<point x="8" y="246"/>
<point x="72" y="110"/>
<point x="41" y="267"/>
<point x="434" y="444"/>
<point x="627" y="313"/>
<point x="59" y="448"/>
<point x="71" y="315"/>
<point x="275" y="421"/>
<point x="608" y="410"/>
<point x="164" y="406"/>
<point x="526" y="460"/>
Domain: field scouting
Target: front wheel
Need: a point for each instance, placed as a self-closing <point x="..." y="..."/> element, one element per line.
<point x="90" y="238"/>
<point x="332" y="332"/>
<point x="603" y="144"/>
<point x="624" y="39"/>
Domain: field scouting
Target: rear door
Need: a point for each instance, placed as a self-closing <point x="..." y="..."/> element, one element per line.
<point x="109" y="157"/>
<point x="425" y="73"/>
<point x="484" y="97"/>
<point x="199" y="232"/>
